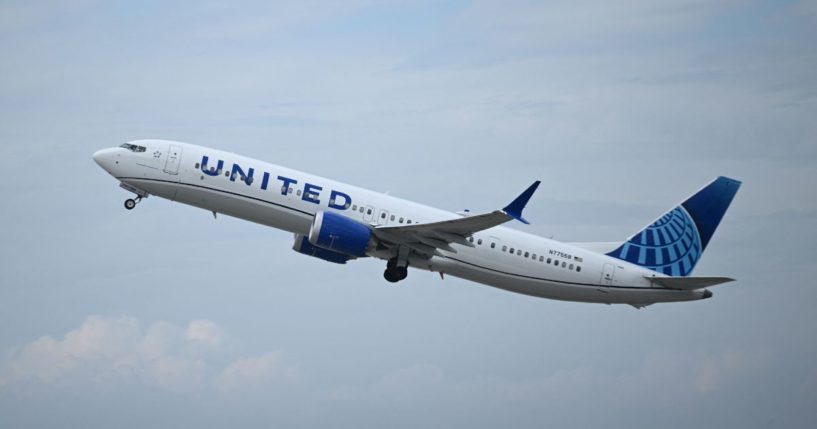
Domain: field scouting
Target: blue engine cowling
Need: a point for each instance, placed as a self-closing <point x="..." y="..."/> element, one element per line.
<point x="340" y="234"/>
<point x="302" y="245"/>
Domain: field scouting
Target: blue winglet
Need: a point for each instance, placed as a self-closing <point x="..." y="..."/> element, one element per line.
<point x="514" y="209"/>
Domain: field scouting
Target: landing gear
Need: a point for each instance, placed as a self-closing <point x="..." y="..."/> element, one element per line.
<point x="393" y="273"/>
<point x="130" y="203"/>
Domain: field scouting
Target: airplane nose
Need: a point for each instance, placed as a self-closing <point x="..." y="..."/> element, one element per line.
<point x="105" y="158"/>
<point x="98" y="155"/>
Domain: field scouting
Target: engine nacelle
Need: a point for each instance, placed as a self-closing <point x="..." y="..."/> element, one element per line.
<point x="302" y="245"/>
<point x="340" y="234"/>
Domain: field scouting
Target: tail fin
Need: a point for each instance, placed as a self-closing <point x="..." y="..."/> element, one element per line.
<point x="673" y="244"/>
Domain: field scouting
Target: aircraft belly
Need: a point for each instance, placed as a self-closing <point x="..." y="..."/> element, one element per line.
<point x="254" y="210"/>
<point x="160" y="189"/>
<point x="559" y="290"/>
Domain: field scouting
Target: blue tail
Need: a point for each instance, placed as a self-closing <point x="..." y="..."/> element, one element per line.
<point x="674" y="243"/>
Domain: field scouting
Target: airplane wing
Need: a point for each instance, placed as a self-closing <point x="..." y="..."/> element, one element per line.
<point x="426" y="238"/>
<point x="689" y="283"/>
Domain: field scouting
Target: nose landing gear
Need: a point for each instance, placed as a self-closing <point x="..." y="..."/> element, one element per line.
<point x="130" y="203"/>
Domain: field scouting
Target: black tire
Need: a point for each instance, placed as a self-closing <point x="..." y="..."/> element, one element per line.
<point x="130" y="204"/>
<point x="390" y="276"/>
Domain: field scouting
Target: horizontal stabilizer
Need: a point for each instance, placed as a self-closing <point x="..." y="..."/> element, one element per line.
<point x="688" y="283"/>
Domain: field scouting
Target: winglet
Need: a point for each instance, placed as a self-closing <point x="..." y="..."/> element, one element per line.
<point x="514" y="209"/>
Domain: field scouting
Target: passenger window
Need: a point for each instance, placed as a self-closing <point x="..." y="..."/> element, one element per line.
<point x="519" y="252"/>
<point x="493" y="245"/>
<point x="578" y="268"/>
<point x="471" y="239"/>
<point x="479" y="242"/>
<point x="392" y="218"/>
<point x="556" y="262"/>
<point x="570" y="267"/>
<point x="511" y="250"/>
<point x="504" y="248"/>
<point x="549" y="260"/>
<point x="527" y="254"/>
<point x="369" y="211"/>
<point x="354" y="208"/>
<point x="299" y="192"/>
<point x="564" y="264"/>
<point x="197" y="166"/>
<point x="383" y="215"/>
<point x="541" y="258"/>
<point x="361" y="209"/>
<point x="401" y="220"/>
<point x="408" y="221"/>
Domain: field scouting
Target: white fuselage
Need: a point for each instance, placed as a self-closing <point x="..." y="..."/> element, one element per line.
<point x="288" y="199"/>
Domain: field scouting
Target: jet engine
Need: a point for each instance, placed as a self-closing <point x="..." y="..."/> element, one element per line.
<point x="302" y="245"/>
<point x="340" y="234"/>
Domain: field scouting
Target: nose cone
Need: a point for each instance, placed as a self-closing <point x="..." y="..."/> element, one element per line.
<point x="105" y="158"/>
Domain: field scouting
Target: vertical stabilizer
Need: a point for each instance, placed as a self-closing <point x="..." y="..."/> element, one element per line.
<point x="674" y="243"/>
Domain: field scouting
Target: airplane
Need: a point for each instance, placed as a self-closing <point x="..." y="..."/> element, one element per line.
<point x="338" y="223"/>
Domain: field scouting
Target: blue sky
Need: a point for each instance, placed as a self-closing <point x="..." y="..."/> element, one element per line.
<point x="165" y="317"/>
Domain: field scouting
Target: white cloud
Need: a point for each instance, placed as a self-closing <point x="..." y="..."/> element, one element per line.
<point x="205" y="332"/>
<point x="256" y="372"/>
<point x="106" y="352"/>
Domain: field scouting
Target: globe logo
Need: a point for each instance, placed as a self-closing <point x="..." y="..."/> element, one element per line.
<point x="671" y="245"/>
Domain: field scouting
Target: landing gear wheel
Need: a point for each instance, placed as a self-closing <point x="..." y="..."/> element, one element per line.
<point x="395" y="274"/>
<point x="390" y="276"/>
<point x="130" y="203"/>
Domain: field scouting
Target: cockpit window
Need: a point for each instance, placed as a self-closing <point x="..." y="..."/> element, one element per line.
<point x="133" y="147"/>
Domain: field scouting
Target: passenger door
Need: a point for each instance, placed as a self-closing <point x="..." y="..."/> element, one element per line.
<point x="608" y="273"/>
<point x="174" y="159"/>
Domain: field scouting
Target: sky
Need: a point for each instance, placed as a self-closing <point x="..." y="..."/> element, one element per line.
<point x="165" y="317"/>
